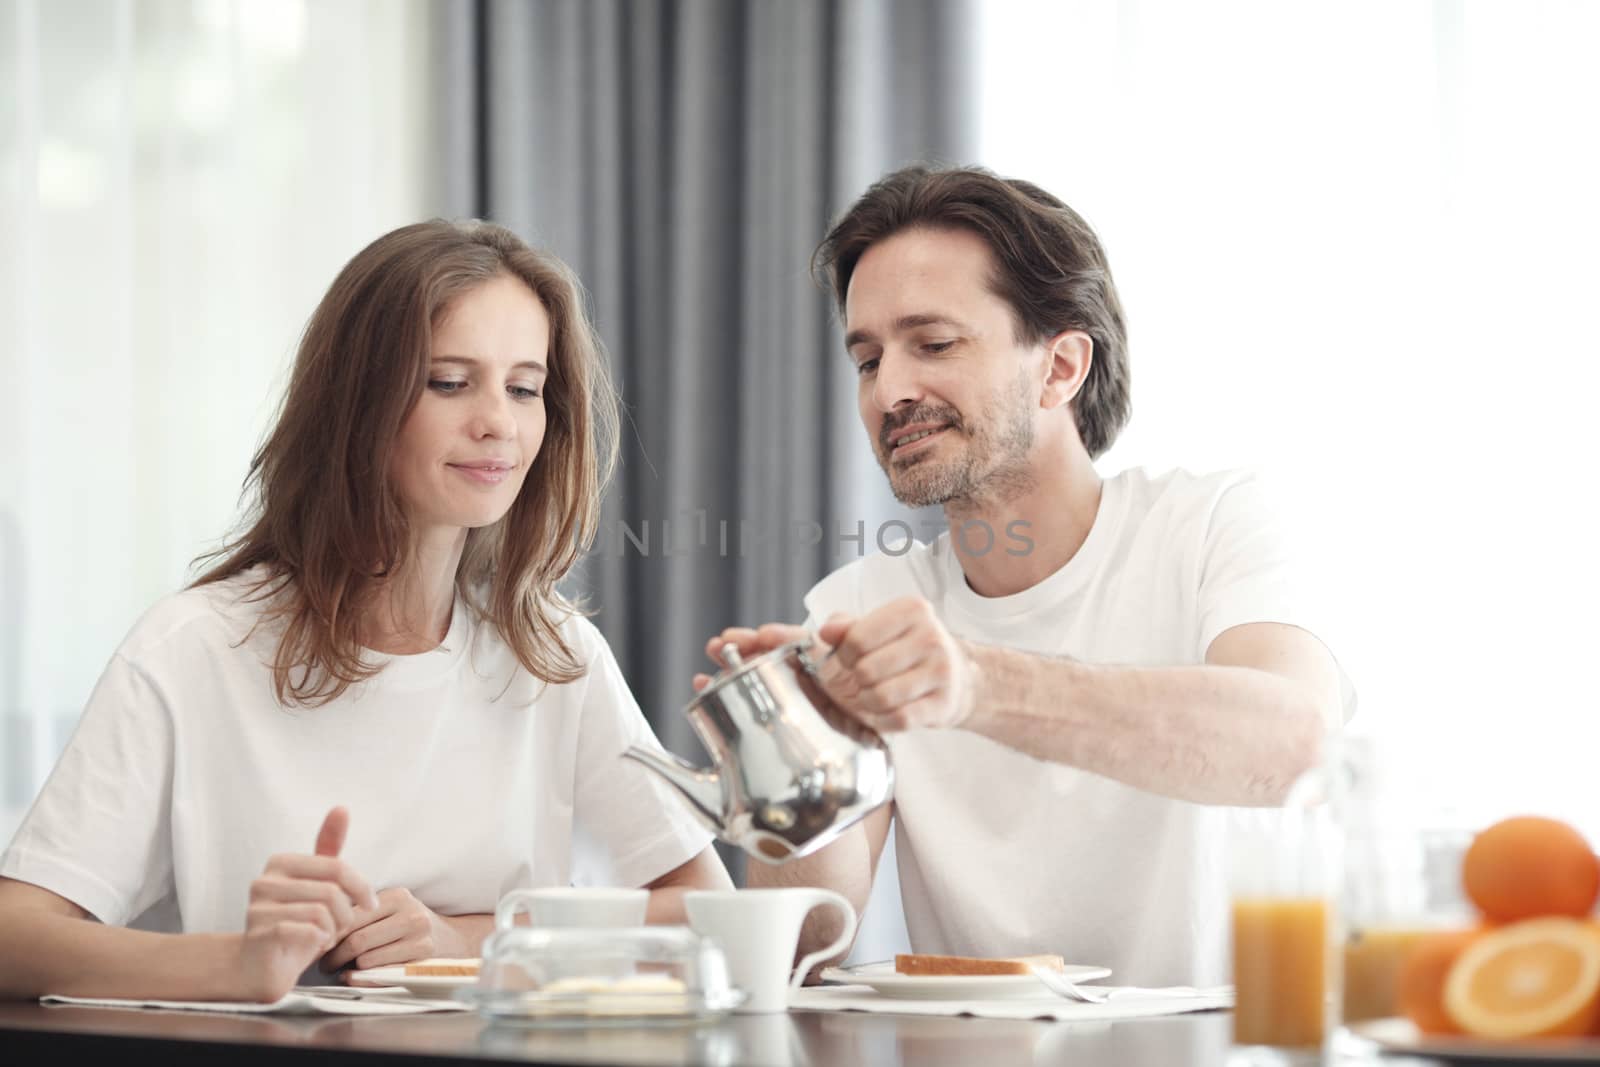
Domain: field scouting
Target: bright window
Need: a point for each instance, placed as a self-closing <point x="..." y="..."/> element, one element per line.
<point x="179" y="182"/>
<point x="1357" y="246"/>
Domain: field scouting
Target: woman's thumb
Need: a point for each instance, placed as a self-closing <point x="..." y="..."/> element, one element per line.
<point x="330" y="839"/>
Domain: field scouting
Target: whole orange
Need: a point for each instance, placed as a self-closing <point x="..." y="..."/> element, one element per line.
<point x="1529" y="866"/>
<point x="1419" y="984"/>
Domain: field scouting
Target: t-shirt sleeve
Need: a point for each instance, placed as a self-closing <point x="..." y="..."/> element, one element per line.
<point x="98" y="833"/>
<point x="1248" y="571"/>
<point x="839" y="592"/>
<point x="629" y="827"/>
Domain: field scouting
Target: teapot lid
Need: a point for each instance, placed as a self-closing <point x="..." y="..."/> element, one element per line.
<point x="737" y="666"/>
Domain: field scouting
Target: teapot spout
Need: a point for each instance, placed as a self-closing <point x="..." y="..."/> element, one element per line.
<point x="702" y="789"/>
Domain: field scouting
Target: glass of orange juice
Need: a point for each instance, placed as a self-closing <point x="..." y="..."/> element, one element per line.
<point x="1284" y="876"/>
<point x="1388" y="903"/>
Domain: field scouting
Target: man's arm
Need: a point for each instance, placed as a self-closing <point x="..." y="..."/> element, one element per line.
<point x="847" y="866"/>
<point x="1238" y="729"/>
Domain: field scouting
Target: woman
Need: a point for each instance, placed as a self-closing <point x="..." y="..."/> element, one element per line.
<point x="382" y="654"/>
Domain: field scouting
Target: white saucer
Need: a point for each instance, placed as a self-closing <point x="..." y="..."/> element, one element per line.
<point x="439" y="986"/>
<point x="883" y="979"/>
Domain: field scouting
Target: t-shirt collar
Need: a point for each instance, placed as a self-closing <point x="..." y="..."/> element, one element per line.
<point x="422" y="668"/>
<point x="1063" y="583"/>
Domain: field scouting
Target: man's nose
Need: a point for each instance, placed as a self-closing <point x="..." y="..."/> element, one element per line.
<point x="896" y="382"/>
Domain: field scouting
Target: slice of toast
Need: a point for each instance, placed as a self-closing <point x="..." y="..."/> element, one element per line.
<point x="930" y="965"/>
<point x="442" y="969"/>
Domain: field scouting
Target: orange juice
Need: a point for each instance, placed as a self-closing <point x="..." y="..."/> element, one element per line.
<point x="1281" y="963"/>
<point x="1371" y="960"/>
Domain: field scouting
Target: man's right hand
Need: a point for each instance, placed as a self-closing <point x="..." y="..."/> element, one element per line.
<point x="749" y="643"/>
<point x="299" y="908"/>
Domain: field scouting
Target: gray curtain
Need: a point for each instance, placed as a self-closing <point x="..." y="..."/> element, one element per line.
<point x="686" y="158"/>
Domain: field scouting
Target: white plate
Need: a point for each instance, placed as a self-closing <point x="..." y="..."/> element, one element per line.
<point x="445" y="986"/>
<point x="882" y="978"/>
<point x="1400" y="1036"/>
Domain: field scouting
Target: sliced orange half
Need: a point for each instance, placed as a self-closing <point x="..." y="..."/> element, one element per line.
<point x="1537" y="978"/>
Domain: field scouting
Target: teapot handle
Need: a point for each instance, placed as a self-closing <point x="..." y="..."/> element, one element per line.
<point x="803" y="654"/>
<point x="851" y="727"/>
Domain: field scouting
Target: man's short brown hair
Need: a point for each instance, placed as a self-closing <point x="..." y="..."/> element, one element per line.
<point x="1050" y="268"/>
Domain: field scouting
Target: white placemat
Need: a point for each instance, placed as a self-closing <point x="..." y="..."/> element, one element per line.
<point x="1133" y="1005"/>
<point x="300" y="1002"/>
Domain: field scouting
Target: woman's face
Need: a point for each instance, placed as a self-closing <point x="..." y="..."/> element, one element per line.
<point x="466" y="447"/>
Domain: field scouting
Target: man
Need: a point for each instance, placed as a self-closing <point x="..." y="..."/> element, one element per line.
<point x="1079" y="677"/>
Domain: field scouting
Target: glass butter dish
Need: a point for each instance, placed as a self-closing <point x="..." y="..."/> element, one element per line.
<point x="602" y="976"/>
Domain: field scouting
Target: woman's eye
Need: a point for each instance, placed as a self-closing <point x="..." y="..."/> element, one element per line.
<point x="523" y="392"/>
<point x="866" y="367"/>
<point x="440" y="385"/>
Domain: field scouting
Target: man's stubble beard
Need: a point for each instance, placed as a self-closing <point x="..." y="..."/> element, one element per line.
<point x="992" y="467"/>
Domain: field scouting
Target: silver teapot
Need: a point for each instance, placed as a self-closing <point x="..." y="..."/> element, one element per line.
<point x="789" y="772"/>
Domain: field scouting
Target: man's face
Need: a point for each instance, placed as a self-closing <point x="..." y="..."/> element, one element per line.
<point x="947" y="392"/>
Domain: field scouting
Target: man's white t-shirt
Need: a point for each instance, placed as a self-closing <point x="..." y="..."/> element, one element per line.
<point x="464" y="776"/>
<point x="1004" y="854"/>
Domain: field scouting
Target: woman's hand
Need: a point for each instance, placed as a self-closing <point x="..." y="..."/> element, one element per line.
<point x="399" y="929"/>
<point x="298" y="909"/>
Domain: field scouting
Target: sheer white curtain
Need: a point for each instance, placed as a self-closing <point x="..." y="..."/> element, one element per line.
<point x="179" y="182"/>
<point x="1357" y="245"/>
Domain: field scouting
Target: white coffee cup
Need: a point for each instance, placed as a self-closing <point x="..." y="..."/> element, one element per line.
<point x="574" y="906"/>
<point x="758" y="930"/>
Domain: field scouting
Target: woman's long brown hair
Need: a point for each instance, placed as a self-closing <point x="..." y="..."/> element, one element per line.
<point x="325" y="524"/>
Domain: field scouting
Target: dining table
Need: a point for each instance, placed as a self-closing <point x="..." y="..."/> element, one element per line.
<point x="32" y="1033"/>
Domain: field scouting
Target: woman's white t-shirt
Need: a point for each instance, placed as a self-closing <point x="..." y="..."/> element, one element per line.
<point x="1003" y="854"/>
<point x="464" y="776"/>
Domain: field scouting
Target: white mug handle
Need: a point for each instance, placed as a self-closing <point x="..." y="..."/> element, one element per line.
<point x="505" y="912"/>
<point x="826" y="896"/>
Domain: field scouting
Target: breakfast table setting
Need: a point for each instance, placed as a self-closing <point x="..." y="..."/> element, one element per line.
<point x="574" y="975"/>
<point x="845" y="1022"/>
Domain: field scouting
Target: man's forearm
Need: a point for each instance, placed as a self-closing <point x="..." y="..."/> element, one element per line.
<point x="1208" y="734"/>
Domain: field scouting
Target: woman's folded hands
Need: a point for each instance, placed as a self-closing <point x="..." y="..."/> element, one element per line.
<point x="300" y="908"/>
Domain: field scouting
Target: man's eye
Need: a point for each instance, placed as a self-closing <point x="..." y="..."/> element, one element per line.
<point x="938" y="346"/>
<point x="440" y="385"/>
<point x="866" y="367"/>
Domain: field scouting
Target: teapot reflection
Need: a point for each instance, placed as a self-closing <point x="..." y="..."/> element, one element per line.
<point x="790" y="771"/>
